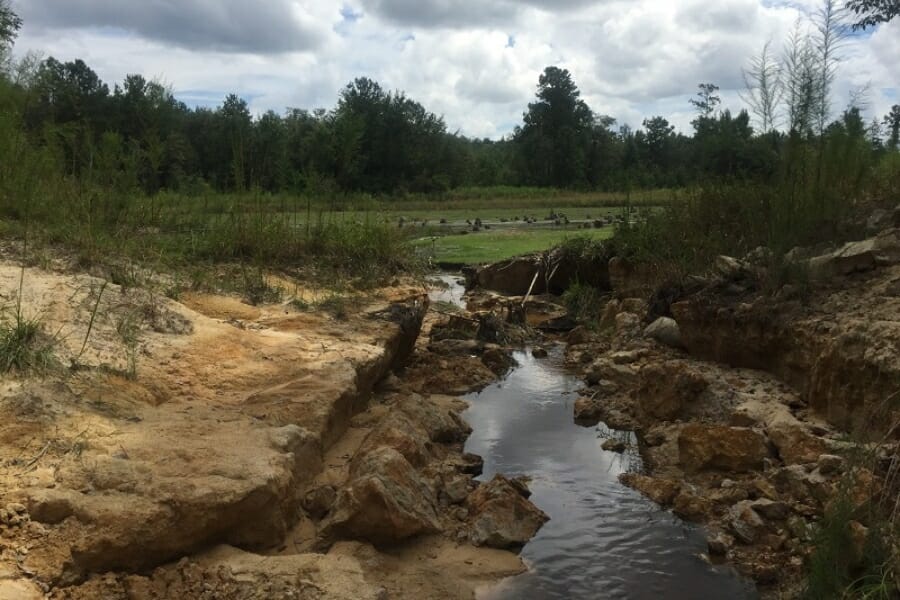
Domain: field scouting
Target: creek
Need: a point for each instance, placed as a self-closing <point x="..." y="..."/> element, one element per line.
<point x="603" y="539"/>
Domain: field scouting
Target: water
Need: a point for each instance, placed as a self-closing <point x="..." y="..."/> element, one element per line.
<point x="603" y="540"/>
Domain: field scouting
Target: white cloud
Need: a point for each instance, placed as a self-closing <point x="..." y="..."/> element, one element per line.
<point x="631" y="58"/>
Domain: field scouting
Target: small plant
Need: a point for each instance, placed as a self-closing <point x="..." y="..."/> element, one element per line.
<point x="299" y="304"/>
<point x="583" y="302"/>
<point x="24" y="347"/>
<point x="256" y="289"/>
<point x="335" y="305"/>
<point x="128" y="327"/>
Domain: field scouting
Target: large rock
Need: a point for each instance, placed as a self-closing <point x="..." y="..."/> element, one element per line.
<point x="665" y="331"/>
<point x="882" y="250"/>
<point x="501" y="516"/>
<point x="661" y="491"/>
<point x="399" y="432"/>
<point x="588" y="411"/>
<point x="666" y="388"/>
<point x="443" y="426"/>
<point x="386" y="501"/>
<point x="717" y="447"/>
<point x="795" y="444"/>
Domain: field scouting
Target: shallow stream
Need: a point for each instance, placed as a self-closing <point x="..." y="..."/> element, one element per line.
<point x="603" y="539"/>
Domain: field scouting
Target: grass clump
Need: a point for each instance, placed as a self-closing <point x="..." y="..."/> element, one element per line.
<point x="24" y="347"/>
<point x="584" y="303"/>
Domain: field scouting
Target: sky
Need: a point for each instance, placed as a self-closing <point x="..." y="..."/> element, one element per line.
<point x="475" y="62"/>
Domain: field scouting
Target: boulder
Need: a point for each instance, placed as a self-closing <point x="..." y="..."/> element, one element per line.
<point x="771" y="510"/>
<point x="865" y="255"/>
<point x="604" y="369"/>
<point x="665" y="331"/>
<point x="718" y="447"/>
<point x="579" y="335"/>
<point x="730" y="269"/>
<point x="744" y="522"/>
<point x="386" y="501"/>
<point x="666" y="388"/>
<point x="443" y="426"/>
<point x="498" y="360"/>
<point x="588" y="411"/>
<point x="501" y="517"/>
<point x="661" y="491"/>
<point x="795" y="444"/>
<point x="614" y="445"/>
<point x="399" y="432"/>
<point x="690" y="506"/>
<point x="627" y="324"/>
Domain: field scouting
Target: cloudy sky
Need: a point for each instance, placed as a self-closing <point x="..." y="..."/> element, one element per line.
<point x="474" y="61"/>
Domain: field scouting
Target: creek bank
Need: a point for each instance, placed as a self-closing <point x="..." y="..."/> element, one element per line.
<point x="269" y="451"/>
<point x="742" y="398"/>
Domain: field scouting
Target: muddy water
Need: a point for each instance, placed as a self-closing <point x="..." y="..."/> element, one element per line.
<point x="603" y="540"/>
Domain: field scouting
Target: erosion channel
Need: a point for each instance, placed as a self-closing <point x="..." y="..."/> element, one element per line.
<point x="602" y="537"/>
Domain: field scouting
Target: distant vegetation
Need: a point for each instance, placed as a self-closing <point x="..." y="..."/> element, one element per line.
<point x="130" y="170"/>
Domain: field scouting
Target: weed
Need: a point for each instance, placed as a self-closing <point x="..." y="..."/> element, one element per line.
<point x="584" y="303"/>
<point x="24" y="347"/>
<point x="128" y="328"/>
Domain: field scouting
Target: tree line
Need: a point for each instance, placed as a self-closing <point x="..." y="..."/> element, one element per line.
<point x="138" y="135"/>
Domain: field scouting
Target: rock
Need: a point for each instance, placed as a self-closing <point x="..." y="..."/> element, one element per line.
<point x="441" y="425"/>
<point x="719" y="543"/>
<point x="539" y="352"/>
<point x="605" y="369"/>
<point x="454" y="347"/>
<point x="772" y="510"/>
<point x="661" y="491"/>
<point x="865" y="255"/>
<point x="386" y="501"/>
<point x="665" y="331"/>
<point x="500" y="517"/>
<point x="456" y="488"/>
<point x="730" y="269"/>
<point x="731" y="449"/>
<point x="398" y="432"/>
<point x="470" y="464"/>
<point x="588" y="411"/>
<point x="605" y="387"/>
<point x="614" y="445"/>
<point x="690" y="506"/>
<point x="830" y="464"/>
<point x="627" y="324"/>
<point x="579" y="335"/>
<point x="318" y="502"/>
<point x="744" y="522"/>
<point x="627" y="357"/>
<point x="795" y="444"/>
<point x="666" y="388"/>
<point x="498" y="360"/>
<point x="608" y="315"/>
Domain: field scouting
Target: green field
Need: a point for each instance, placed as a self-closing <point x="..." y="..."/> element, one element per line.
<point x="491" y="246"/>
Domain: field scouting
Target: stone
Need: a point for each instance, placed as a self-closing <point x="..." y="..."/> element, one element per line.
<point x="498" y="360"/>
<point x="318" y="502"/>
<point x="718" y="447"/>
<point x="661" y="491"/>
<point x="399" y="432"/>
<point x="604" y="387"/>
<point x="500" y="517"/>
<point x="690" y="506"/>
<point x="772" y="510"/>
<point x="539" y="352"/>
<point x="456" y="488"/>
<point x="588" y="410"/>
<point x="605" y="369"/>
<point x="579" y="335"/>
<point x="744" y="522"/>
<point x="627" y="324"/>
<point x="385" y="501"/>
<point x="442" y="426"/>
<point x="795" y="444"/>
<point x="666" y="388"/>
<point x="665" y="331"/>
<point x="719" y="543"/>
<point x="830" y="464"/>
<point x="729" y="268"/>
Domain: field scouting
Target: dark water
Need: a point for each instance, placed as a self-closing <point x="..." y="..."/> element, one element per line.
<point x="603" y="540"/>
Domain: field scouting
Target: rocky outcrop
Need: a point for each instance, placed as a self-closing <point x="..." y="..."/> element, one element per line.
<point x="665" y="331"/>
<point x="501" y="515"/>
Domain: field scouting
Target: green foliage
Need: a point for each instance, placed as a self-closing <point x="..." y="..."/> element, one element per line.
<point x="23" y="345"/>
<point x="872" y="12"/>
<point x="584" y="303"/>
